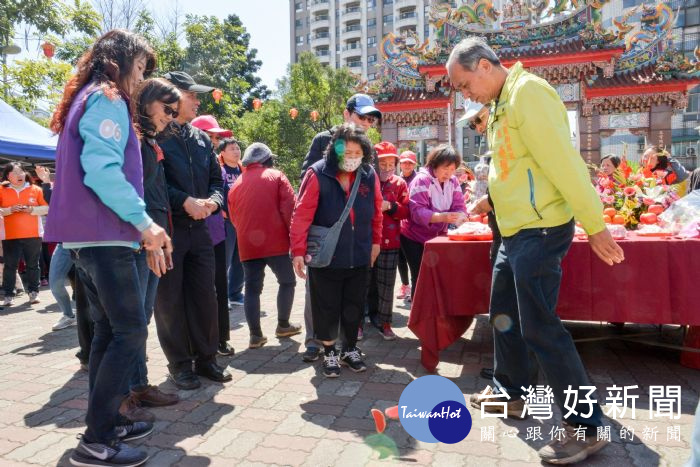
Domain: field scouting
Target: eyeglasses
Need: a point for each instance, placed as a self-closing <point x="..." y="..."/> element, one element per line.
<point x="170" y="111"/>
<point x="367" y="118"/>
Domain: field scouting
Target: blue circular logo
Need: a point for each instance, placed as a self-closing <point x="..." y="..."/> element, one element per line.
<point x="433" y="409"/>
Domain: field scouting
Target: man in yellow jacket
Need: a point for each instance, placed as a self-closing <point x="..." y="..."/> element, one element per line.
<point x="538" y="183"/>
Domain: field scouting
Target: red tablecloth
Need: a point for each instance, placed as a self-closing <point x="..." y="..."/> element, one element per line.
<point x="653" y="285"/>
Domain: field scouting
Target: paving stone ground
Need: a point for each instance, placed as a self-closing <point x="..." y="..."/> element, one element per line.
<point x="281" y="411"/>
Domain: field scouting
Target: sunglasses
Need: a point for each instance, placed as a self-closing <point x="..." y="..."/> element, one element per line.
<point x="474" y="123"/>
<point x="170" y="111"/>
<point x="367" y="118"/>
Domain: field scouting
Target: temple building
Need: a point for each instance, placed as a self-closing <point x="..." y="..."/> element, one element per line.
<point x="619" y="67"/>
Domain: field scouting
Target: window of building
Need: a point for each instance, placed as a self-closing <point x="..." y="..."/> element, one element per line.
<point x="371" y="77"/>
<point x="371" y="41"/>
<point x="371" y="4"/>
<point x="371" y="22"/>
<point x="298" y="23"/>
<point x="631" y="3"/>
<point x="388" y="19"/>
<point x="337" y="47"/>
<point x="300" y="40"/>
<point x="388" y="2"/>
<point x="371" y="59"/>
<point x="298" y="6"/>
<point x="465" y="142"/>
<point x="407" y="14"/>
<point x="692" y="16"/>
<point x="477" y="140"/>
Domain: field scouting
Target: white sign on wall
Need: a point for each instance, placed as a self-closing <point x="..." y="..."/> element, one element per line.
<point x="415" y="133"/>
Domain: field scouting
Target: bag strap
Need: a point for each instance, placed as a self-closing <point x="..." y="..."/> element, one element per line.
<point x="351" y="200"/>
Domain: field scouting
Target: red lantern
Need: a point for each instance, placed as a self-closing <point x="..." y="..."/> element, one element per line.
<point x="217" y="95"/>
<point x="314" y="115"/>
<point x="293" y="113"/>
<point x="48" y="48"/>
<point x="257" y="103"/>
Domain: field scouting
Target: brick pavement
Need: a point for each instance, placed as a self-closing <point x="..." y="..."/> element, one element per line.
<point x="279" y="410"/>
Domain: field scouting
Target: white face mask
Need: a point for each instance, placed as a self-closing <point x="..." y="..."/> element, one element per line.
<point x="351" y="165"/>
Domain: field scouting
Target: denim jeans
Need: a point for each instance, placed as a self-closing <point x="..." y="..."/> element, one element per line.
<point x="111" y="279"/>
<point x="61" y="262"/>
<point x="255" y="276"/>
<point x="233" y="264"/>
<point x="524" y="291"/>
<point x="149" y="285"/>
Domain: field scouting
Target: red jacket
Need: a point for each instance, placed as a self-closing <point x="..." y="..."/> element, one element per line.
<point x="260" y="204"/>
<point x="305" y="211"/>
<point x="394" y="191"/>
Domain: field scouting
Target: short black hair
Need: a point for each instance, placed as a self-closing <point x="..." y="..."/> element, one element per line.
<point x="223" y="144"/>
<point x="613" y="158"/>
<point x="443" y="155"/>
<point x="349" y="132"/>
<point x="9" y="167"/>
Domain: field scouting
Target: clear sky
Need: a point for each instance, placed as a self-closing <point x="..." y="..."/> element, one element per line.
<point x="267" y="22"/>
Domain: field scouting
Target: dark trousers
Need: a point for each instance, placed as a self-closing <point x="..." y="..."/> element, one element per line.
<point x="149" y="285"/>
<point x="84" y="320"/>
<point x="233" y="263"/>
<point x="111" y="280"/>
<point x="380" y="298"/>
<point x="413" y="251"/>
<point x="403" y="268"/>
<point x="524" y="292"/>
<point x="254" y="270"/>
<point x="13" y="251"/>
<point x="338" y="297"/>
<point x="186" y="309"/>
<point x="221" y="286"/>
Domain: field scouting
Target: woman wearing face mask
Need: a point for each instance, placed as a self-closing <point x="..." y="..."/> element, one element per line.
<point x="394" y="208"/>
<point x="21" y="204"/>
<point x="435" y="201"/>
<point x="338" y="291"/>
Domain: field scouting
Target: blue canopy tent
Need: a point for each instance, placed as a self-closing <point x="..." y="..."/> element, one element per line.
<point x="22" y="138"/>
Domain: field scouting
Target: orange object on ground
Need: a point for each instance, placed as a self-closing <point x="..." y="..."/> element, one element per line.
<point x="392" y="412"/>
<point x="379" y="420"/>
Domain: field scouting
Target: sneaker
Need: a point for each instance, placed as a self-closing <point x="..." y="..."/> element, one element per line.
<point x="571" y="448"/>
<point x="44" y="283"/>
<point x="9" y="301"/>
<point x="331" y="366"/>
<point x="152" y="396"/>
<point x="257" y="342"/>
<point x="311" y="354"/>
<point x="404" y="291"/>
<point x="64" y="323"/>
<point x="352" y="358"/>
<point x="387" y="333"/>
<point x="34" y="298"/>
<point x="515" y="407"/>
<point x="136" y="430"/>
<point x="236" y="302"/>
<point x="360" y="333"/>
<point x="225" y="349"/>
<point x="290" y="330"/>
<point x="97" y="454"/>
<point x="131" y="409"/>
<point x="19" y="292"/>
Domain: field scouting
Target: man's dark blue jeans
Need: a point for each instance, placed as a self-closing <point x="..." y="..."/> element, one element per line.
<point x="524" y="291"/>
<point x="113" y="289"/>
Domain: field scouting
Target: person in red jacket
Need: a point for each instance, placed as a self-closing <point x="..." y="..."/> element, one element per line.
<point x="394" y="208"/>
<point x="260" y="205"/>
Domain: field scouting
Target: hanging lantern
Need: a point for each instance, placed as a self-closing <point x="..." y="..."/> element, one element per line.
<point x="257" y="103"/>
<point x="293" y="113"/>
<point x="217" y="95"/>
<point x="314" y="115"/>
<point x="48" y="48"/>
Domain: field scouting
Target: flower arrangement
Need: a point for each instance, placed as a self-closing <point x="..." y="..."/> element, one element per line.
<point x="631" y="192"/>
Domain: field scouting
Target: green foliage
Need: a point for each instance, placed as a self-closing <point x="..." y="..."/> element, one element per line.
<point x="34" y="82"/>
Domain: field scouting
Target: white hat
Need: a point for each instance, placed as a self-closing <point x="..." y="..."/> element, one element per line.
<point x="471" y="110"/>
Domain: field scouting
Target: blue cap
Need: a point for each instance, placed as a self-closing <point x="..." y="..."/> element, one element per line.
<point x="362" y="104"/>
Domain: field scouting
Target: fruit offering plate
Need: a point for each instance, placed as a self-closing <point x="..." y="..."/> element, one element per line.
<point x="471" y="231"/>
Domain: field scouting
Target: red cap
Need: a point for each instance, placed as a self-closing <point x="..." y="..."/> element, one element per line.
<point x="385" y="149"/>
<point x="209" y="123"/>
<point x="408" y="156"/>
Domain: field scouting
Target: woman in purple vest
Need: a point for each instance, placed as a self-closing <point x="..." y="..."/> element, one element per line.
<point x="97" y="211"/>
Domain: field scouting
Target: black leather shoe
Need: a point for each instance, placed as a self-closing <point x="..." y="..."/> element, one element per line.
<point x="185" y="379"/>
<point x="212" y="371"/>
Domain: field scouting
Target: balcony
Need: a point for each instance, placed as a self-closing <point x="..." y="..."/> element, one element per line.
<point x="325" y="59"/>
<point x="351" y="51"/>
<point x="320" y="22"/>
<point x="406" y="3"/>
<point x="351" y="32"/>
<point x="320" y="39"/>
<point x="316" y="6"/>
<point x="344" y="3"/>
<point x="405" y="19"/>
<point x="352" y="13"/>
<point x="355" y="66"/>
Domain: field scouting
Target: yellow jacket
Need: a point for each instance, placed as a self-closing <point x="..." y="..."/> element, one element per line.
<point x="537" y="178"/>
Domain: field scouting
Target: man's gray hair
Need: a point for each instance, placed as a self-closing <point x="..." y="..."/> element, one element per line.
<point x="469" y="51"/>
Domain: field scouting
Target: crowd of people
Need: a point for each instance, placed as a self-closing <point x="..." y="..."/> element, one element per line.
<point x="169" y="227"/>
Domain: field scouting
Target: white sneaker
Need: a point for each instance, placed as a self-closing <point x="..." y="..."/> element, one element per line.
<point x="9" y="301"/>
<point x="63" y="323"/>
<point x="34" y="298"/>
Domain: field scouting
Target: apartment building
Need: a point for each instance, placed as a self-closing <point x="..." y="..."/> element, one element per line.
<point x="348" y="33"/>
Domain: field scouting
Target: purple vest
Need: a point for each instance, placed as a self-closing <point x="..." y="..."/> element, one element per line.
<point x="76" y="214"/>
